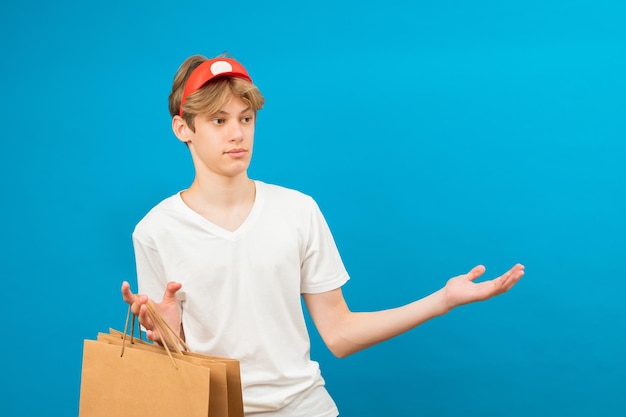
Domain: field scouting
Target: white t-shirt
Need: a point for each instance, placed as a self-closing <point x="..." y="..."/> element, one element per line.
<point x="241" y="293"/>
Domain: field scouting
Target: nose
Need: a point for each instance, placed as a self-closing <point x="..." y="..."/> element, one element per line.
<point x="236" y="134"/>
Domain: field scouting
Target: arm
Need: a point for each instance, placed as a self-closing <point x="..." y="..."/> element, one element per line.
<point x="346" y="332"/>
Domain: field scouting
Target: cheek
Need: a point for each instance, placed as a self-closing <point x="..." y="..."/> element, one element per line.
<point x="250" y="131"/>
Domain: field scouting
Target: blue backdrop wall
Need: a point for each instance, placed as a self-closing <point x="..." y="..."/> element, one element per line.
<point x="434" y="135"/>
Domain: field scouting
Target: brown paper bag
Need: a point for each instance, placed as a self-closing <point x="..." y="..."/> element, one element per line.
<point x="140" y="383"/>
<point x="233" y="373"/>
<point x="218" y="394"/>
<point x="123" y="376"/>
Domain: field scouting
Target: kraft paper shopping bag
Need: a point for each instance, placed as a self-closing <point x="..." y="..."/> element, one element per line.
<point x="140" y="383"/>
<point x="233" y="375"/>
<point x="124" y="376"/>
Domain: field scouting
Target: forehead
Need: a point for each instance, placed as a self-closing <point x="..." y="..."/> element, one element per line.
<point x="233" y="104"/>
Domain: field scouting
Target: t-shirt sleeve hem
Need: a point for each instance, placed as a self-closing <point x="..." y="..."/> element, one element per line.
<point x="328" y="286"/>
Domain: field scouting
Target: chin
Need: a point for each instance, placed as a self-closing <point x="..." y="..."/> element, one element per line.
<point x="237" y="171"/>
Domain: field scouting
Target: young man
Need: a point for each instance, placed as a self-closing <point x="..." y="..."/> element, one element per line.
<point x="230" y="257"/>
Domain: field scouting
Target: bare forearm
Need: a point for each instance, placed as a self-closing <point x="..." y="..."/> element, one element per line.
<point x="346" y="332"/>
<point x="357" y="331"/>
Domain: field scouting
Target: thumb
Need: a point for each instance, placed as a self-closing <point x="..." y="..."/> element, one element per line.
<point x="475" y="272"/>
<point x="170" y="291"/>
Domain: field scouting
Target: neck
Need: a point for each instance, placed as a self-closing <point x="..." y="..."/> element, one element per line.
<point x="225" y="203"/>
<point x="220" y="191"/>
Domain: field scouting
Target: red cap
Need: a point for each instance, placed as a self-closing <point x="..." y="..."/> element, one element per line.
<point x="216" y="67"/>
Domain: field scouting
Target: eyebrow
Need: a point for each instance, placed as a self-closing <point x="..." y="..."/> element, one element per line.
<point x="222" y="112"/>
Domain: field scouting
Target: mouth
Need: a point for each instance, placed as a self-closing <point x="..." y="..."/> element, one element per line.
<point x="236" y="153"/>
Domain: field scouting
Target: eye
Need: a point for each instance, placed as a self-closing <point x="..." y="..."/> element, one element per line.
<point x="247" y="119"/>
<point x="218" y="121"/>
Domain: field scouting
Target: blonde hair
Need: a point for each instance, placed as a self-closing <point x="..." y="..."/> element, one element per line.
<point x="212" y="96"/>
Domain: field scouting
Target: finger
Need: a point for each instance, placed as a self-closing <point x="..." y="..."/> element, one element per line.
<point x="144" y="317"/>
<point x="127" y="294"/>
<point x="510" y="278"/>
<point x="515" y="273"/>
<point x="475" y="272"/>
<point x="138" y="301"/>
<point x="170" y="291"/>
<point x="151" y="335"/>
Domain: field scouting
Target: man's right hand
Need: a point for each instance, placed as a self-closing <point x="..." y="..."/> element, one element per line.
<point x="168" y="308"/>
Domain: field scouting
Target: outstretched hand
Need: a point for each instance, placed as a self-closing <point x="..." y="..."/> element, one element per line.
<point x="463" y="290"/>
<point x="168" y="308"/>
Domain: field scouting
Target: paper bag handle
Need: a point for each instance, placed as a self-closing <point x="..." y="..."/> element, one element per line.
<point x="163" y="330"/>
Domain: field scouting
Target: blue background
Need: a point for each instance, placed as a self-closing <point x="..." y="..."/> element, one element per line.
<point x="434" y="136"/>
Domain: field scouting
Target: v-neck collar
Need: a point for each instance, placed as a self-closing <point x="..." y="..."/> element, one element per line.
<point x="220" y="231"/>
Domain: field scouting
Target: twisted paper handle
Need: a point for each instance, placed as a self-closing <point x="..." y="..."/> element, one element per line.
<point x="166" y="335"/>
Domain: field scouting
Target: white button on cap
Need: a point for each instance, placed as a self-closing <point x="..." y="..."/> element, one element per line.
<point x="220" y="67"/>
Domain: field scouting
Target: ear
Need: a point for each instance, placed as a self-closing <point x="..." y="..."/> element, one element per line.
<point x="180" y="128"/>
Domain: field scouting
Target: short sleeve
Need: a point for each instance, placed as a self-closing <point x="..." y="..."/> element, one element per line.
<point x="150" y="273"/>
<point x="322" y="268"/>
